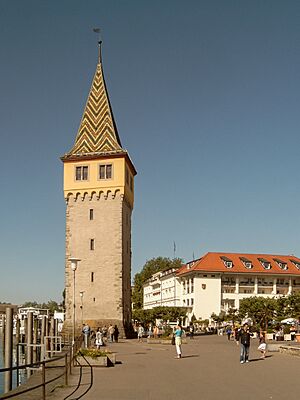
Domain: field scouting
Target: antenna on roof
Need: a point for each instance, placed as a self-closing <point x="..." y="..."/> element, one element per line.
<point x="97" y="30"/>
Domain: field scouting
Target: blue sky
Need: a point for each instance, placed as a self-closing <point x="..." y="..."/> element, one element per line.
<point x="205" y="95"/>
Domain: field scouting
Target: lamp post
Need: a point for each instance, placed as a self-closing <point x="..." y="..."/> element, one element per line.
<point x="81" y="305"/>
<point x="74" y="262"/>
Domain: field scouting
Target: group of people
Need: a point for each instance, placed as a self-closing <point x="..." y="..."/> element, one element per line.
<point x="150" y="331"/>
<point x="243" y="337"/>
<point x="110" y="334"/>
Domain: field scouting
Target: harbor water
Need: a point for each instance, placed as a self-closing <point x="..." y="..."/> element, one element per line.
<point x="21" y="373"/>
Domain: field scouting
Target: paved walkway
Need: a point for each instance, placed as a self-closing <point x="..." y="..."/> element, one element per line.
<point x="209" y="370"/>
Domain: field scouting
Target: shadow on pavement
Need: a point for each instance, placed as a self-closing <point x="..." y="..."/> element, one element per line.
<point x="190" y="356"/>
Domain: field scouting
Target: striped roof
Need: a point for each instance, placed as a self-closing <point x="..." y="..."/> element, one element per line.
<point x="244" y="263"/>
<point x="97" y="133"/>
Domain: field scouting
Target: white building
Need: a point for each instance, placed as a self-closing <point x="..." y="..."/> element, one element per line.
<point x="218" y="281"/>
<point x="162" y="289"/>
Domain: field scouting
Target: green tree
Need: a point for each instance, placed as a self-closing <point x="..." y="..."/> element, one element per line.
<point x="218" y="318"/>
<point x="169" y="313"/>
<point x="143" y="316"/>
<point x="165" y="314"/>
<point x="289" y="306"/>
<point x="261" y="310"/>
<point x="231" y="315"/>
<point x="51" y="305"/>
<point x="151" y="267"/>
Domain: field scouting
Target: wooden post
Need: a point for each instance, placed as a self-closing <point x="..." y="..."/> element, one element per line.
<point x="3" y="328"/>
<point x="29" y="341"/>
<point x="18" y="326"/>
<point x="35" y="334"/>
<point x="8" y="358"/>
<point x="44" y="380"/>
<point x="66" y="369"/>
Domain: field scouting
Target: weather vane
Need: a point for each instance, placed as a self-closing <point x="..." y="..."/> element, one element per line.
<point x="97" y="30"/>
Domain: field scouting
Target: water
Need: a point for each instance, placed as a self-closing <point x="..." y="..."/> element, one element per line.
<point x="21" y="376"/>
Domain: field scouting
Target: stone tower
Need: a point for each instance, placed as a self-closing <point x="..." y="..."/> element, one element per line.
<point x="99" y="193"/>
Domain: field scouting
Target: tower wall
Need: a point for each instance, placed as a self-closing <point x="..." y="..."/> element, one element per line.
<point x="103" y="274"/>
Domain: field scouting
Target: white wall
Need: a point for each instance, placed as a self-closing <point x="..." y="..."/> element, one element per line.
<point x="207" y="295"/>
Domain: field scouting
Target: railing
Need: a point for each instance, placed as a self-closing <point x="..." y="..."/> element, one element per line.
<point x="68" y="357"/>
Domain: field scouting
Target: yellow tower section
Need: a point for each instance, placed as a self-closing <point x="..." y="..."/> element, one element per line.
<point x="99" y="193"/>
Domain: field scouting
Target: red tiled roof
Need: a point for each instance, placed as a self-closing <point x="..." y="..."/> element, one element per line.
<point x="214" y="262"/>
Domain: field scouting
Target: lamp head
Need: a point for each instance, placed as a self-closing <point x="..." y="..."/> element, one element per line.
<point x="74" y="262"/>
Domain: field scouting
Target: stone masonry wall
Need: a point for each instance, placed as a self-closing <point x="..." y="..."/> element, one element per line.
<point x="104" y="272"/>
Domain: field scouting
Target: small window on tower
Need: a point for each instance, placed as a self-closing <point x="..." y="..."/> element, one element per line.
<point x="92" y="276"/>
<point x="91" y="214"/>
<point x="105" y="171"/>
<point x="81" y="173"/>
<point x="92" y="244"/>
<point x="131" y="183"/>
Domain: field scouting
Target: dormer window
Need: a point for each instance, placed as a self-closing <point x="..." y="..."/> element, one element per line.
<point x="265" y="263"/>
<point x="281" y="264"/>
<point x="227" y="262"/>
<point x="296" y="263"/>
<point x="247" y="263"/>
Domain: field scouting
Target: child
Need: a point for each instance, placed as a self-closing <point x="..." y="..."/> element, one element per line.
<point x="262" y="345"/>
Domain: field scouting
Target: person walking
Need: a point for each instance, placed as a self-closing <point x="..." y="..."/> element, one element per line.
<point x="110" y="332"/>
<point x="262" y="345"/>
<point x="116" y="334"/>
<point x="228" y="332"/>
<point x="192" y="330"/>
<point x="99" y="338"/>
<point x="140" y="333"/>
<point x="236" y="335"/>
<point x="178" y="341"/>
<point x="244" y="338"/>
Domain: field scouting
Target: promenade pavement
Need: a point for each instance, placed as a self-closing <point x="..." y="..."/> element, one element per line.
<point x="209" y="370"/>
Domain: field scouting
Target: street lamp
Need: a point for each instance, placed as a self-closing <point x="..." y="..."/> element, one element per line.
<point x="74" y="262"/>
<point x="81" y="305"/>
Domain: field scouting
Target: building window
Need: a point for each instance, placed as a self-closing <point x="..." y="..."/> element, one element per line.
<point x="281" y="264"/>
<point x="92" y="244"/>
<point x="296" y="263"/>
<point x="105" y="171"/>
<point x="81" y="173"/>
<point x="192" y="285"/>
<point x="92" y="276"/>
<point x="131" y="183"/>
<point x="91" y="214"/>
<point x="127" y="176"/>
<point x="227" y="262"/>
<point x="192" y="302"/>
<point x="265" y="263"/>
<point x="247" y="263"/>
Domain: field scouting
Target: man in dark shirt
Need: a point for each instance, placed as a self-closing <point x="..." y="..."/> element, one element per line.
<point x="244" y="338"/>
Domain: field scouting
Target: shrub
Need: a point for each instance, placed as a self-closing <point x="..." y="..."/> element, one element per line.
<point x="93" y="353"/>
<point x="168" y="331"/>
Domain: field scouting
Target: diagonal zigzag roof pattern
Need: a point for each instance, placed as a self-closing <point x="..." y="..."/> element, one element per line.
<point x="97" y="132"/>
